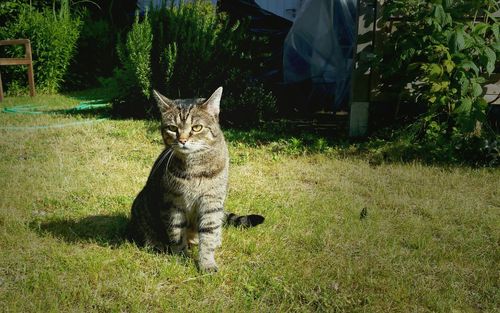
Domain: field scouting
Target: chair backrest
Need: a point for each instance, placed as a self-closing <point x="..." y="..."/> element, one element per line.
<point x="27" y="60"/>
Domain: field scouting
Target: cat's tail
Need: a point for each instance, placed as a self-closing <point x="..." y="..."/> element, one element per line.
<point x="243" y="220"/>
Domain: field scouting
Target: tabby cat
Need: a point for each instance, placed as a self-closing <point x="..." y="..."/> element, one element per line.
<point x="183" y="200"/>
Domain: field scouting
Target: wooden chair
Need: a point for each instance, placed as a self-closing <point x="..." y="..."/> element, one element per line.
<point x="19" y="61"/>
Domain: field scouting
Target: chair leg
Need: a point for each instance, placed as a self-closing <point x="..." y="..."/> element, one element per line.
<point x="31" y="80"/>
<point x="1" y="88"/>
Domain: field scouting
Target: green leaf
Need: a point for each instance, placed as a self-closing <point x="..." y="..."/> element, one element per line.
<point x="471" y="41"/>
<point x="465" y="106"/>
<point x="457" y="40"/>
<point x="494" y="29"/>
<point x="480" y="80"/>
<point x="496" y="46"/>
<point x="439" y="14"/>
<point x="433" y="69"/>
<point x="449" y="65"/>
<point x="468" y="65"/>
<point x="448" y="19"/>
<point x="481" y="104"/>
<point x="477" y="90"/>
<point x="443" y="100"/>
<point x="481" y="28"/>
<point x="435" y="87"/>
<point x="491" y="59"/>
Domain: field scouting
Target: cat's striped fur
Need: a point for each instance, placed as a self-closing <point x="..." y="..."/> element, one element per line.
<point x="183" y="200"/>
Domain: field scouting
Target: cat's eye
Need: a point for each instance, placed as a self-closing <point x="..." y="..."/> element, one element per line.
<point x="197" y="128"/>
<point x="171" y="128"/>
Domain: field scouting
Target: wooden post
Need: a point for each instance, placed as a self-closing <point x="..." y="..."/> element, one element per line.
<point x="1" y="88"/>
<point x="27" y="60"/>
<point x="361" y="74"/>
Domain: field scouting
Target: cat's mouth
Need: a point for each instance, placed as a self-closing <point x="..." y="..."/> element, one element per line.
<point x="187" y="148"/>
<point x="183" y="148"/>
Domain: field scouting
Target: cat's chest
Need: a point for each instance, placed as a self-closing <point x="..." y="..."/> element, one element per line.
<point x="185" y="194"/>
<point x="189" y="188"/>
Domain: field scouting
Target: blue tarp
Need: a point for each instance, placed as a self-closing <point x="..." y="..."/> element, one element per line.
<point x="320" y="46"/>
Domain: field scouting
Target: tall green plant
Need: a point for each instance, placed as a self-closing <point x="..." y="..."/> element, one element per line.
<point x="440" y="54"/>
<point x="135" y="55"/>
<point x="193" y="47"/>
<point x="53" y="40"/>
<point x="185" y="50"/>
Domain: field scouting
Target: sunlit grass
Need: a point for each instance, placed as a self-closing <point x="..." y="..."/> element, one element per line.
<point x="429" y="241"/>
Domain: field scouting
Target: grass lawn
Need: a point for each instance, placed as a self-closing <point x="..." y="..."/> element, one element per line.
<point x="428" y="243"/>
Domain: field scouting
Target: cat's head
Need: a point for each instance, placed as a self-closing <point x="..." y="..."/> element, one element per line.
<point x="190" y="125"/>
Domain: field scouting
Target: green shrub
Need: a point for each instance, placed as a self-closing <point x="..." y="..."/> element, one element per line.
<point x="440" y="56"/>
<point x="53" y="40"/>
<point x="253" y="105"/>
<point x="185" y="38"/>
<point x="131" y="82"/>
<point x="194" y="50"/>
<point x="135" y="55"/>
<point x="9" y="10"/>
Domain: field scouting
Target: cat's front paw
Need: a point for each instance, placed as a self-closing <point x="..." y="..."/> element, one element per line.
<point x="210" y="267"/>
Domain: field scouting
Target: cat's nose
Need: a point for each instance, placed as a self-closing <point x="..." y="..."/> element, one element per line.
<point x="183" y="140"/>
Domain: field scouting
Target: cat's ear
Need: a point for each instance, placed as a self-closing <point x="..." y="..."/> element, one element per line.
<point x="164" y="103"/>
<point x="212" y="105"/>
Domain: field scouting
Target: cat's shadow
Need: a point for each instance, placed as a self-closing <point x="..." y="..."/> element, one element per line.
<point x="104" y="230"/>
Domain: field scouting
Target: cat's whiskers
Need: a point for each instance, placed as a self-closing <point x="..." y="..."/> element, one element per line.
<point x="169" y="151"/>
<point x="169" y="159"/>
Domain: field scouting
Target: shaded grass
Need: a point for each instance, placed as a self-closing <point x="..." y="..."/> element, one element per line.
<point x="429" y="241"/>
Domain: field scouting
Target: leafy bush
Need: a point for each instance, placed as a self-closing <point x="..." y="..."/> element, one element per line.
<point x="53" y="40"/>
<point x="9" y="10"/>
<point x="135" y="55"/>
<point x="132" y="81"/>
<point x="253" y="105"/>
<point x="194" y="50"/>
<point x="185" y="39"/>
<point x="440" y="55"/>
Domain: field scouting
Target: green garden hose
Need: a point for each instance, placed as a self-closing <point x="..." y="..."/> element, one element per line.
<point x="58" y="125"/>
<point x="35" y="109"/>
